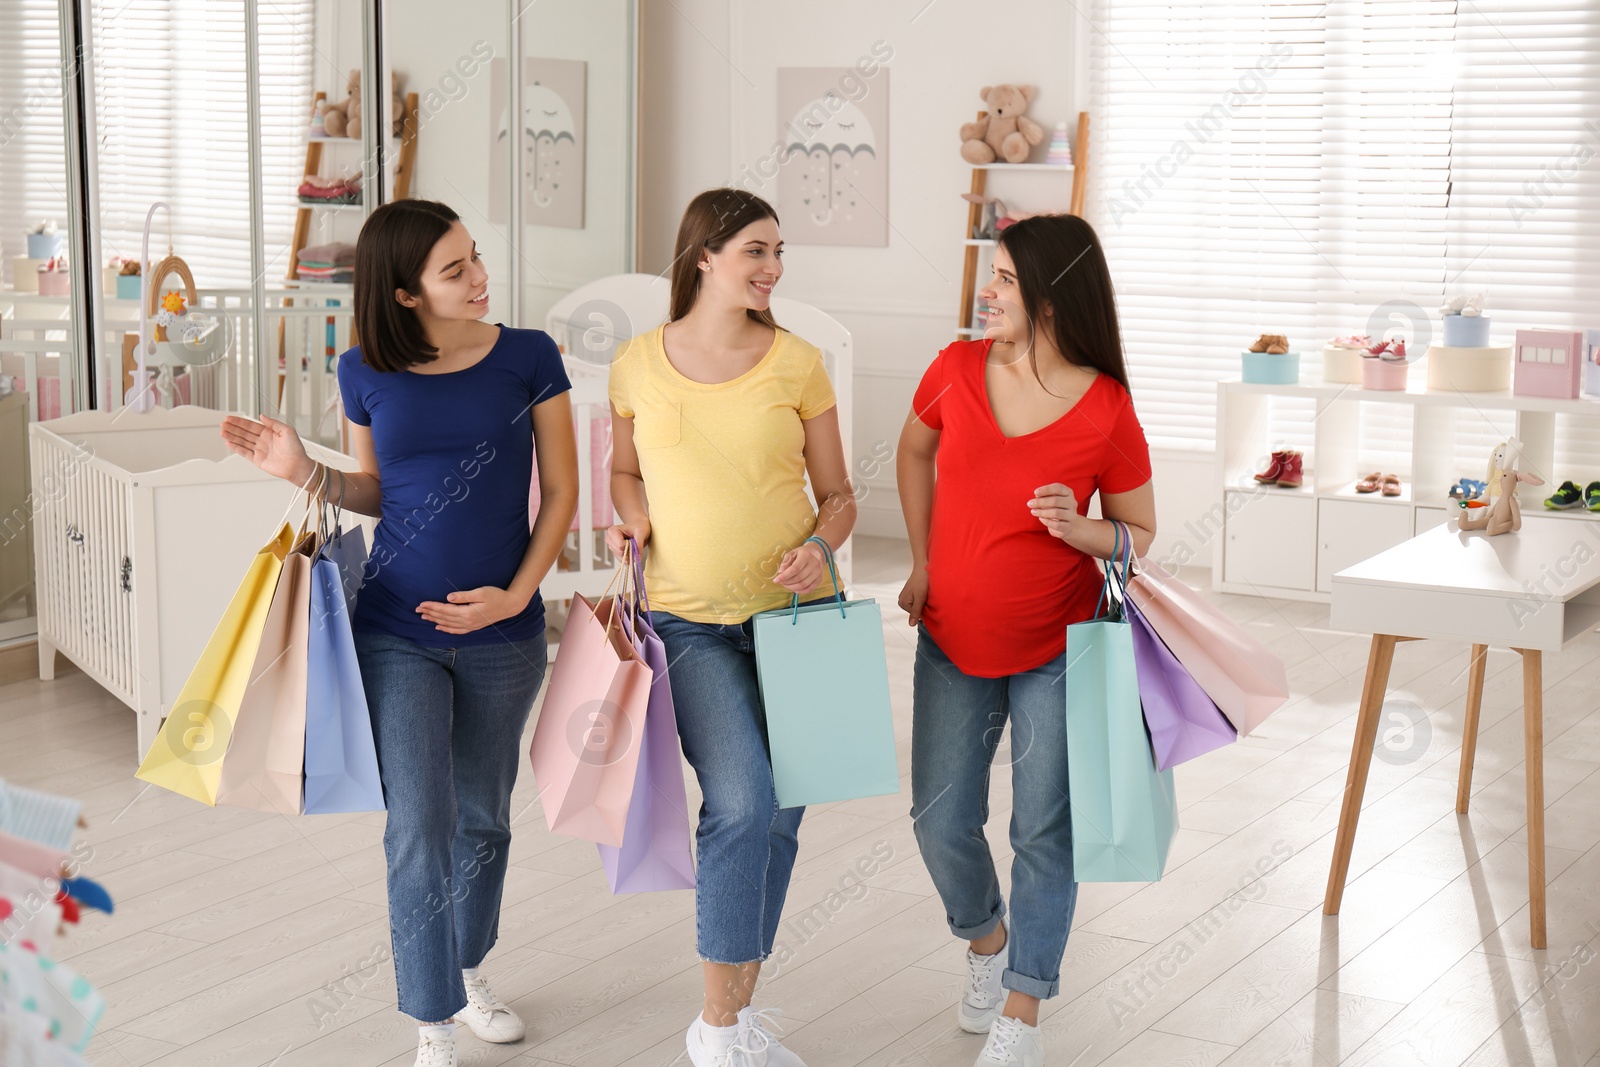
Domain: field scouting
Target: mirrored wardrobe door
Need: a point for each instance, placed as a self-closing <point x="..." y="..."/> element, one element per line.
<point x="40" y="352"/>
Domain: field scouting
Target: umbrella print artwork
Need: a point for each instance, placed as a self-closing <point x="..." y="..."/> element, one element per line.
<point x="833" y="141"/>
<point x="551" y="174"/>
<point x="546" y="120"/>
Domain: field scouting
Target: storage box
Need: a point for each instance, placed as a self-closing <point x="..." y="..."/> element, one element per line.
<point x="45" y="245"/>
<point x="25" y="273"/>
<point x="1261" y="368"/>
<point x="54" y="282"/>
<point x="1591" y="363"/>
<point x="1547" y="363"/>
<point x="1341" y="366"/>
<point x="1468" y="370"/>
<point x="1383" y="375"/>
<point x="127" y="287"/>
<point x="1466" y="331"/>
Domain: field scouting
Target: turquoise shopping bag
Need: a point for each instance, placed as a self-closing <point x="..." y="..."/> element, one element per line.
<point x="824" y="681"/>
<point x="1124" y="810"/>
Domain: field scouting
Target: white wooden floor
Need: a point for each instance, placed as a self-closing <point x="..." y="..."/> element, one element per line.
<point x="236" y="934"/>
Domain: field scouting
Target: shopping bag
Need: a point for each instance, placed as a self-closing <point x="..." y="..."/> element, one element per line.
<point x="341" y="760"/>
<point x="1124" y="810"/>
<point x="654" y="855"/>
<point x="187" y="754"/>
<point x="264" y="766"/>
<point x="824" y="680"/>
<point x="1247" y="682"/>
<point x="1183" y="721"/>
<point x="585" y="749"/>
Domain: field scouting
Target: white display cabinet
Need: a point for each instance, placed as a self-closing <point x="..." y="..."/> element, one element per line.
<point x="1290" y="542"/>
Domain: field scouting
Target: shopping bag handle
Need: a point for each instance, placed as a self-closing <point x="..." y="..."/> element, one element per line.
<point x="838" y="593"/>
<point x="634" y="555"/>
<point x="311" y="497"/>
<point x="1116" y="573"/>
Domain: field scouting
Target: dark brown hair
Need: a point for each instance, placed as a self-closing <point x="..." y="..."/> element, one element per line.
<point x="393" y="248"/>
<point x="1060" y="266"/>
<point x="709" y="222"/>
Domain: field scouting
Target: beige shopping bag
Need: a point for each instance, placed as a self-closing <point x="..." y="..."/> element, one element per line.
<point x="264" y="768"/>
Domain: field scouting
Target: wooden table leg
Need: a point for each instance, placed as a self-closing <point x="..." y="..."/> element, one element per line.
<point x="1533" y="766"/>
<point x="1355" y="784"/>
<point x="1469" y="733"/>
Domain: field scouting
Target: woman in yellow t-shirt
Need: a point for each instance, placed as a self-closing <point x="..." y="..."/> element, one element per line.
<point x="718" y="417"/>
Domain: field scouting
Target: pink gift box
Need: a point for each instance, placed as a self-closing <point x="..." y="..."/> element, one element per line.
<point x="1383" y="374"/>
<point x="1547" y="363"/>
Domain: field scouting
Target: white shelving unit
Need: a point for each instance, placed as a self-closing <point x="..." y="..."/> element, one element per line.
<point x="1290" y="542"/>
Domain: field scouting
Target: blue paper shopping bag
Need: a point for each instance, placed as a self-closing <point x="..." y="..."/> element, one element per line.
<point x="825" y="686"/>
<point x="341" y="767"/>
<point x="1124" y="810"/>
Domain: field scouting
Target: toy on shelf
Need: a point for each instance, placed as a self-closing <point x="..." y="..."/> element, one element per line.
<point x="1060" y="153"/>
<point x="1498" y="512"/>
<point x="1341" y="359"/>
<point x="1465" y="361"/>
<point x="344" y="120"/>
<point x="129" y="280"/>
<point x="995" y="217"/>
<point x="44" y="242"/>
<point x="1268" y="361"/>
<point x="1548" y="363"/>
<point x="1004" y="133"/>
<point x="54" y="280"/>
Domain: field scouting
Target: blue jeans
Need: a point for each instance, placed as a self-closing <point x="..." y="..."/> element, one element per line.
<point x="746" y="844"/>
<point x="957" y="720"/>
<point x="448" y="725"/>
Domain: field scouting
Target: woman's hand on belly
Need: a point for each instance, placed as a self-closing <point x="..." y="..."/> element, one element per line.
<point x="473" y="609"/>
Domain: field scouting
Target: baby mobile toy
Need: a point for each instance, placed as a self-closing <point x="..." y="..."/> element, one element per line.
<point x="170" y="326"/>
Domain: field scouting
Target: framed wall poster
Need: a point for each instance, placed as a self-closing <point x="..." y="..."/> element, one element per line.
<point x="553" y="142"/>
<point x="833" y="183"/>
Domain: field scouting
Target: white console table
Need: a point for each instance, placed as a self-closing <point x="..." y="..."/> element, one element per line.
<point x="1487" y="591"/>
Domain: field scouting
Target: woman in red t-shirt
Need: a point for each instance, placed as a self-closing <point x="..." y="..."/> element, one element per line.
<point x="1022" y="428"/>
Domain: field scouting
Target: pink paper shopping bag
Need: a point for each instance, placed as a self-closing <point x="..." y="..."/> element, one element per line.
<point x="1247" y="682"/>
<point x="585" y="750"/>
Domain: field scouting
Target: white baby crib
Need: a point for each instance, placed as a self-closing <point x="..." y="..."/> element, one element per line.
<point x="588" y="324"/>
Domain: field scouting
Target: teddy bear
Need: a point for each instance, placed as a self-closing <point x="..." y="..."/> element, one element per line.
<point x="338" y="119"/>
<point x="344" y="120"/>
<point x="1005" y="132"/>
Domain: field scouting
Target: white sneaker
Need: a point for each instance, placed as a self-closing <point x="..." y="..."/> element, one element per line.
<point x="436" y="1048"/>
<point x="1012" y="1042"/>
<point x="750" y="1044"/>
<point x="984" y="997"/>
<point x="486" y="1015"/>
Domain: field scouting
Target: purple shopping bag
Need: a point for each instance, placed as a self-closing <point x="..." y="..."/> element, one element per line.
<point x="654" y="854"/>
<point x="1183" y="721"/>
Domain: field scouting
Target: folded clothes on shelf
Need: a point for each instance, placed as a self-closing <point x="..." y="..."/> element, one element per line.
<point x="332" y="254"/>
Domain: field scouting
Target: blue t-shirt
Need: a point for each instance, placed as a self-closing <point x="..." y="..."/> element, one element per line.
<point x="455" y="458"/>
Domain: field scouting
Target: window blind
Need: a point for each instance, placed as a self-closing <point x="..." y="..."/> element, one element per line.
<point x="33" y="168"/>
<point x="1319" y="169"/>
<point x="170" y="100"/>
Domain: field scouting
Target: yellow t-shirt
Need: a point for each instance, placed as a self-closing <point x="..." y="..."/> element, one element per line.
<point x="724" y="472"/>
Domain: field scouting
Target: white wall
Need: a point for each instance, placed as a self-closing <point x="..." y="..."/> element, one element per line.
<point x="709" y="79"/>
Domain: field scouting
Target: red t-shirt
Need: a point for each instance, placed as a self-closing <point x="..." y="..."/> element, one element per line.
<point x="1001" y="588"/>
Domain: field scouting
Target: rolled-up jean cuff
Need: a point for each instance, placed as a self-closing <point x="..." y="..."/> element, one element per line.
<point x="731" y="963"/>
<point x="1032" y="987"/>
<point x="983" y="929"/>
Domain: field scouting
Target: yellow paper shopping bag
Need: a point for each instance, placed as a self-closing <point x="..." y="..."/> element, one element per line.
<point x="187" y="755"/>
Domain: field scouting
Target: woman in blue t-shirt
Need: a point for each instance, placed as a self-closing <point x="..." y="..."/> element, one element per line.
<point x="444" y="410"/>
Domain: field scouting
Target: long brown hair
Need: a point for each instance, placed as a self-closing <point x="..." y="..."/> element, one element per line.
<point x="710" y="221"/>
<point x="391" y="251"/>
<point x="1060" y="265"/>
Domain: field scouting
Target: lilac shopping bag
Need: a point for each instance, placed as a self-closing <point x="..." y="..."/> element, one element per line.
<point x="1183" y="721"/>
<point x="654" y="854"/>
<point x="341" y="761"/>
